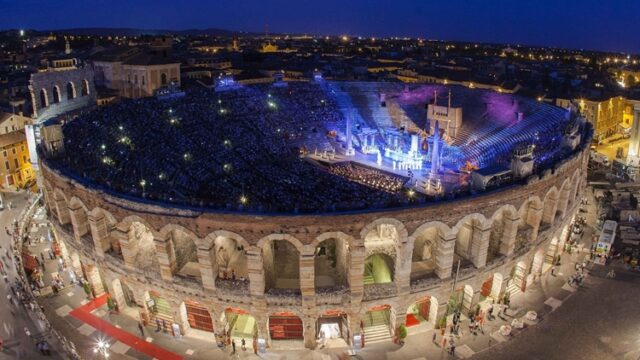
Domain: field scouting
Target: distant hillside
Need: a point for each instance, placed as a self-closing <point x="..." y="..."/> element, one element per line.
<point x="138" y="32"/>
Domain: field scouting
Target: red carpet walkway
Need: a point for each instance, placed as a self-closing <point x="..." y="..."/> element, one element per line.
<point x="83" y="314"/>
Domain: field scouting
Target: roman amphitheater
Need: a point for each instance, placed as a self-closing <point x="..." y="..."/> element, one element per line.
<point x="289" y="274"/>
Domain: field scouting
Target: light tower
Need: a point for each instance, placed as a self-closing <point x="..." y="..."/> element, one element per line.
<point x="350" y="150"/>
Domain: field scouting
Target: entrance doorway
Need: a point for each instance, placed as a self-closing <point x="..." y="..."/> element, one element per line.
<point x="161" y="311"/>
<point x="198" y="316"/>
<point x="240" y="324"/>
<point x="285" y="326"/>
<point x="332" y="329"/>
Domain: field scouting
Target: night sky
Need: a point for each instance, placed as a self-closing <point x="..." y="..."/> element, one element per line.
<point x="612" y="25"/>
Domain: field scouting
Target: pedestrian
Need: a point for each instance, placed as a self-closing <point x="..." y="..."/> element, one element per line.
<point x="434" y="337"/>
<point x="158" y="324"/>
<point x="453" y="350"/>
<point x="1" y="344"/>
<point x="244" y="345"/>
<point x="553" y="271"/>
<point x="444" y="343"/>
<point x="233" y="346"/>
<point x="141" y="328"/>
<point x="255" y="346"/>
<point x="164" y="326"/>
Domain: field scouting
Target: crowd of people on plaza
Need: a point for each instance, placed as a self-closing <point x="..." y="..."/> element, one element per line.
<point x="227" y="150"/>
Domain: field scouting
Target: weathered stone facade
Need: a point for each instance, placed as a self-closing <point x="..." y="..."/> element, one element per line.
<point x="498" y="235"/>
<point x="56" y="92"/>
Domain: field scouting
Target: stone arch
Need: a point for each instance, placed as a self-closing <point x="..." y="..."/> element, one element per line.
<point x="71" y="90"/>
<point x="423" y="311"/>
<point x="564" y="196"/>
<point x="281" y="255"/>
<point x="469" y="298"/>
<point x="550" y="206"/>
<point x="428" y="257"/>
<point x="530" y="216"/>
<point x="44" y="98"/>
<point x="181" y="246"/>
<point x="376" y="229"/>
<point x="332" y="259"/>
<point x="56" y="94"/>
<point x="163" y="79"/>
<point x="138" y="245"/>
<point x="472" y="240"/>
<point x="575" y="182"/>
<point x="85" y="88"/>
<point x="228" y="251"/>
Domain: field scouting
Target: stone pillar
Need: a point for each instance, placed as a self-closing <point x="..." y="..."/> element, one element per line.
<point x="117" y="294"/>
<point x="534" y="218"/>
<point x="444" y="255"/>
<point x="62" y="211"/>
<point x="480" y="245"/>
<point x="354" y="320"/>
<point x="99" y="233"/>
<point x="549" y="212"/>
<point x="180" y="317"/>
<point x="508" y="242"/>
<point x="127" y="246"/>
<point x="93" y="276"/>
<point x="208" y="269"/>
<point x="262" y="326"/>
<point x="141" y="297"/>
<point x="402" y="276"/>
<point x="166" y="257"/>
<point x="78" y="221"/>
<point x="309" y="331"/>
<point x="307" y="275"/>
<point x="356" y="273"/>
<point x="256" y="272"/>
<point x="565" y="193"/>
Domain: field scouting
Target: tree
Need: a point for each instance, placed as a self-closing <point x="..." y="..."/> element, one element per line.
<point x="631" y="81"/>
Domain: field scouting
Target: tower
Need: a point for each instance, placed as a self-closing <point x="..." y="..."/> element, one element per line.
<point x="67" y="46"/>
<point x="435" y="150"/>
<point x="633" y="157"/>
<point x="350" y="151"/>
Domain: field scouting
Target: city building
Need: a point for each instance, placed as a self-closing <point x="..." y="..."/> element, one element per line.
<point x="15" y="168"/>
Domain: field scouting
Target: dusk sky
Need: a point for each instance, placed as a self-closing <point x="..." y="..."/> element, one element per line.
<point x="612" y="25"/>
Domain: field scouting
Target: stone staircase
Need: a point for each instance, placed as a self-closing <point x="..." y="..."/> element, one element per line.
<point x="376" y="327"/>
<point x="368" y="275"/>
<point x="513" y="289"/>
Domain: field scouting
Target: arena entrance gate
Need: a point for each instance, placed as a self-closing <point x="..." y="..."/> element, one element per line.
<point x="198" y="316"/>
<point x="160" y="310"/>
<point x="285" y="326"/>
<point x="331" y="326"/>
<point x="419" y="312"/>
<point x="239" y="324"/>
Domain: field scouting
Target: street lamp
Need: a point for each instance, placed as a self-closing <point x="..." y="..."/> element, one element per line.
<point x="102" y="348"/>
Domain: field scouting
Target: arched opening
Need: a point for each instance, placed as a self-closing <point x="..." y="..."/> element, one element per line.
<point x="124" y="297"/>
<point x="163" y="79"/>
<point x="231" y="261"/>
<point x="331" y="264"/>
<point x="332" y="329"/>
<point x="185" y="253"/>
<point x="85" y="87"/>
<point x="44" y="99"/>
<point x="143" y="249"/>
<point x="56" y="94"/>
<point x="377" y="324"/>
<point x="197" y="315"/>
<point x="467" y="298"/>
<point x="281" y="261"/>
<point x="240" y="325"/>
<point x="423" y="313"/>
<point x="285" y="326"/>
<point x="518" y="279"/>
<point x="423" y="257"/>
<point x="378" y="269"/>
<point x="71" y="91"/>
<point x="160" y="311"/>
